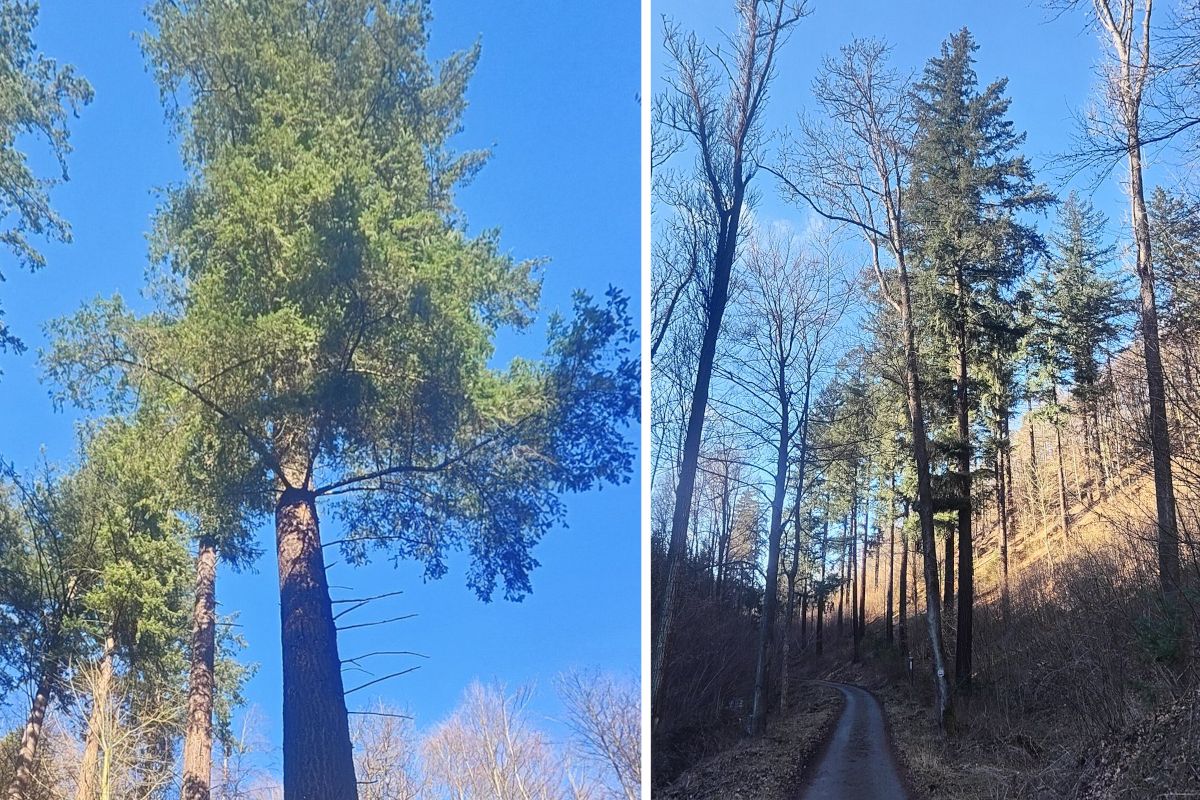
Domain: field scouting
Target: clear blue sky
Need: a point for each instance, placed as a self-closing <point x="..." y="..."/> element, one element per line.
<point x="555" y="93"/>
<point x="1049" y="63"/>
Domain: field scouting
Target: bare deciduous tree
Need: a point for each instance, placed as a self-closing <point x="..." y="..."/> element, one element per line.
<point x="488" y="749"/>
<point x="1128" y="81"/>
<point x="605" y="713"/>
<point x="385" y="754"/>
<point x="714" y="103"/>
<point x="852" y="170"/>
<point x="131" y="762"/>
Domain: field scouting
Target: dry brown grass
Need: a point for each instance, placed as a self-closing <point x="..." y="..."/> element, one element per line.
<point x="766" y="768"/>
<point x="1072" y="692"/>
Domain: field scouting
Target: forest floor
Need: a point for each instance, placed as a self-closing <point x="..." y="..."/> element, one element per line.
<point x="768" y="768"/>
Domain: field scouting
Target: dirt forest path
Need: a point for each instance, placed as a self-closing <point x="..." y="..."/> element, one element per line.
<point x="857" y="763"/>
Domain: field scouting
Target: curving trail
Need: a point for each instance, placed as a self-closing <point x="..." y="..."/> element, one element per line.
<point x="857" y="763"/>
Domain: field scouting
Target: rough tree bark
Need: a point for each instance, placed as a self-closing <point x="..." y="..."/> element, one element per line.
<point x="197" y="745"/>
<point x="31" y="736"/>
<point x="318" y="759"/>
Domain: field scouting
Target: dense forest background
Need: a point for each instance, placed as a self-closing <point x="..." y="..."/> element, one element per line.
<point x="924" y="387"/>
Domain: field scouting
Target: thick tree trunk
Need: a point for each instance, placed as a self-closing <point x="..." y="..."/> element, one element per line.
<point x="90" y="783"/>
<point x="966" y="545"/>
<point x="916" y="599"/>
<point x="19" y="788"/>
<point x="318" y="760"/>
<point x="197" y="744"/>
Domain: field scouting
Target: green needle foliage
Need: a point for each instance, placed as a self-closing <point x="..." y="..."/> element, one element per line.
<point x="1084" y="305"/>
<point x="324" y="315"/>
<point x="37" y="96"/>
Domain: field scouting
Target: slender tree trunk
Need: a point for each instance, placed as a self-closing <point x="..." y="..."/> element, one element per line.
<point x="933" y="617"/>
<point x="902" y="624"/>
<point x="819" y="596"/>
<point x="804" y="616"/>
<point x="1064" y="519"/>
<point x="845" y="576"/>
<point x="948" y="565"/>
<point x="21" y="785"/>
<point x="1160" y="435"/>
<point x="787" y="646"/>
<point x="88" y="786"/>
<point x="318" y="760"/>
<point x="1102" y="469"/>
<point x="800" y="468"/>
<point x="766" y="628"/>
<point x="855" y="577"/>
<point x="1002" y="511"/>
<point x="891" y="621"/>
<point x="1035" y="490"/>
<point x="718" y="299"/>
<point x="966" y="545"/>
<point x="862" y="588"/>
<point x="197" y="744"/>
<point x="723" y="535"/>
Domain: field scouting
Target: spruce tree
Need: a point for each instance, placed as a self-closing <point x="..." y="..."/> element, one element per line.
<point x="1086" y="308"/>
<point x="969" y="186"/>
